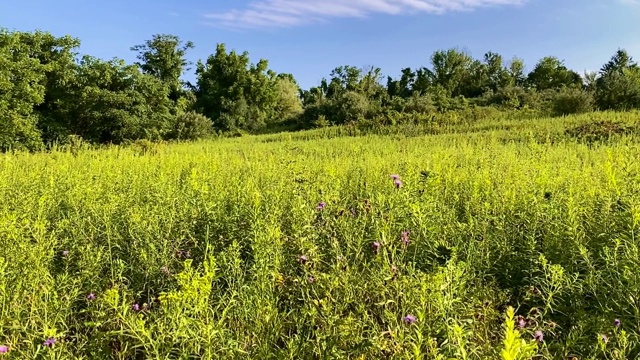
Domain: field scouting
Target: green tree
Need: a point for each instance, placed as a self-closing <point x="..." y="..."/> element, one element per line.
<point x="163" y="56"/>
<point x="288" y="103"/>
<point x="551" y="73"/>
<point x="22" y="79"/>
<point x="115" y="102"/>
<point x="234" y="93"/>
<point x="450" y="69"/>
<point x="404" y="86"/>
<point x="618" y="83"/>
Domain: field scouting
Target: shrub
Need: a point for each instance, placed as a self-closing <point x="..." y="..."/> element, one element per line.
<point x="571" y="101"/>
<point x="598" y="131"/>
<point x="191" y="126"/>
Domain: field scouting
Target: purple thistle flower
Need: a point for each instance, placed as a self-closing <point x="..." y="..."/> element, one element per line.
<point x="397" y="183"/>
<point x="91" y="297"/>
<point x="49" y="342"/>
<point x="303" y="259"/>
<point x="135" y="307"/>
<point x="394" y="176"/>
<point x="311" y="279"/>
<point x="409" y="319"/>
<point x="376" y="246"/>
<point x="4" y="349"/>
<point x="539" y="336"/>
<point x="616" y="322"/>
<point x="321" y="205"/>
<point x="405" y="237"/>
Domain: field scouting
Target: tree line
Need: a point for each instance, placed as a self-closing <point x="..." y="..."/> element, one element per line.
<point x="49" y="93"/>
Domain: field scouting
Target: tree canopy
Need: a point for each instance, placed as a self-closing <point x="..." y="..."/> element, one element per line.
<point x="49" y="92"/>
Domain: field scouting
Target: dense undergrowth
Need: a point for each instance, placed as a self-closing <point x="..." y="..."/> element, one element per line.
<point x="305" y="245"/>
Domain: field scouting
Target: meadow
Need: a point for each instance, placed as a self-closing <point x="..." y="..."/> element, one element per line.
<point x="498" y="239"/>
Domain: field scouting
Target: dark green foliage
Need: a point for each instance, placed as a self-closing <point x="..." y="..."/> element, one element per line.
<point x="116" y="102"/>
<point x="602" y="130"/>
<point x="21" y="90"/>
<point x="571" y="101"/>
<point x="191" y="126"/>
<point x="49" y="93"/>
<point x="550" y="73"/>
<point x="163" y="57"/>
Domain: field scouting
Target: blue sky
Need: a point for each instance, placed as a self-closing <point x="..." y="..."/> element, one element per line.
<point x="311" y="37"/>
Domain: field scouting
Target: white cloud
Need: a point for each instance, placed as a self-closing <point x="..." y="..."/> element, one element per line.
<point x="286" y="13"/>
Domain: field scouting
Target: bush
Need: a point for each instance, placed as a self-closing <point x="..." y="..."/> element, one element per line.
<point x="191" y="126"/>
<point x="598" y="131"/>
<point x="571" y="101"/>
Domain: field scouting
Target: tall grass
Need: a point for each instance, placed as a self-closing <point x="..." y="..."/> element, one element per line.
<point x="220" y="249"/>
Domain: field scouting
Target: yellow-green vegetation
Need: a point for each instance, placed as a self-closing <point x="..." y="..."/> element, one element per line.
<point x="304" y="246"/>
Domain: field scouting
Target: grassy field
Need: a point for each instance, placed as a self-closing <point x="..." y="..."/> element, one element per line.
<point x="302" y="246"/>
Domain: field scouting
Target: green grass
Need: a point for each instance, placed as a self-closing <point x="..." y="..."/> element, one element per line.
<point x="206" y="238"/>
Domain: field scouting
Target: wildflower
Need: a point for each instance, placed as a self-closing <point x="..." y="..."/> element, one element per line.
<point x="4" y="349"/>
<point x="91" y="297"/>
<point x="394" y="176"/>
<point x="397" y="183"/>
<point x="49" y="342"/>
<point x="405" y="237"/>
<point x="303" y="259"/>
<point x="135" y="307"/>
<point x="321" y="205"/>
<point x="616" y="322"/>
<point x="65" y="253"/>
<point x="604" y="338"/>
<point x="311" y="279"/>
<point x="376" y="246"/>
<point x="409" y="319"/>
<point x="539" y="336"/>
<point x="522" y="323"/>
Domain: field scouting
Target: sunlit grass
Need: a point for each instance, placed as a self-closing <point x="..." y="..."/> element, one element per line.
<point x="193" y="250"/>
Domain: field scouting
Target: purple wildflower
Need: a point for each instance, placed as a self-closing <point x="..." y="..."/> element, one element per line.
<point x="539" y="336"/>
<point x="394" y="176"/>
<point x="616" y="322"/>
<point x="91" y="297"/>
<point x="409" y="319"/>
<point x="311" y="279"/>
<point x="321" y="205"/>
<point x="405" y="237"/>
<point x="522" y="323"/>
<point x="49" y="342"/>
<point x="303" y="259"/>
<point x="376" y="246"/>
<point x="397" y="183"/>
<point x="4" y="349"/>
<point x="135" y="307"/>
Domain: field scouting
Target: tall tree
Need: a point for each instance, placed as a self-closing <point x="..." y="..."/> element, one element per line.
<point x="618" y="86"/>
<point x="234" y="93"/>
<point x="164" y="57"/>
<point x="551" y="73"/>
<point x="115" y="102"/>
<point x="450" y="69"/>
<point x="22" y="79"/>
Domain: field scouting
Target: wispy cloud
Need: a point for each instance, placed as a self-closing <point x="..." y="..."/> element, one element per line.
<point x="286" y="13"/>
